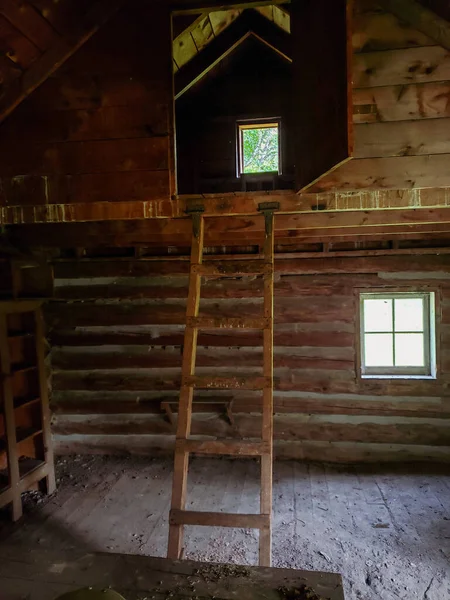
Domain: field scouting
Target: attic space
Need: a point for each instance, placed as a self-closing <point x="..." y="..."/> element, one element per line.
<point x="247" y="86"/>
<point x="224" y="300"/>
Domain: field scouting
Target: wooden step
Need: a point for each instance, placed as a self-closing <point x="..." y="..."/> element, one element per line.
<point x="218" y="519"/>
<point x="230" y="323"/>
<point x="232" y="268"/>
<point x="225" y="447"/>
<point x="227" y="383"/>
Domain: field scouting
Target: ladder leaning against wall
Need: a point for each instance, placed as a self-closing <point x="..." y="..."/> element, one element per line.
<point x="185" y="445"/>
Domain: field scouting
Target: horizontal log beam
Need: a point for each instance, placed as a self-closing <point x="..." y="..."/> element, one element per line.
<point x="170" y="337"/>
<point x="285" y="380"/>
<point x="225" y="204"/>
<point x="158" y="358"/>
<point x="68" y="403"/>
<point x="293" y="265"/>
<point x="338" y="452"/>
<point x="332" y="428"/>
<point x="227" y="230"/>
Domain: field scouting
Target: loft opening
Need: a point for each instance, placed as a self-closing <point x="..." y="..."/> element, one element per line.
<point x="238" y="64"/>
<point x="258" y="147"/>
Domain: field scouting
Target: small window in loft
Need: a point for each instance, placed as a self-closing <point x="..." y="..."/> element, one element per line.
<point x="397" y="335"/>
<point x="259" y="147"/>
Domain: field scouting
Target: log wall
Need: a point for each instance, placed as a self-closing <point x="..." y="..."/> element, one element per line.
<point x="116" y="330"/>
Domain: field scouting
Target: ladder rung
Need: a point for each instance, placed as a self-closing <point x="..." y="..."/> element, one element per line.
<point x="227" y="383"/>
<point x="217" y="519"/>
<point x="233" y="268"/>
<point x="226" y="447"/>
<point x="231" y="323"/>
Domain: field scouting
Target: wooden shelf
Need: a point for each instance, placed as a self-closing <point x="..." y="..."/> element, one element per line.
<point x="14" y="335"/>
<point x="26" y="401"/>
<point x="28" y="465"/>
<point x="24" y="404"/>
<point x="4" y="481"/>
<point x="23" y="435"/>
<point x="22" y="368"/>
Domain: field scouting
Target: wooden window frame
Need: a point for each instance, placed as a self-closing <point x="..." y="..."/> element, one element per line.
<point x="263" y="123"/>
<point x="429" y="371"/>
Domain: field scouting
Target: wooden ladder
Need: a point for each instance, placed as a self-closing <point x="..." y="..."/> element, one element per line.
<point x="179" y="516"/>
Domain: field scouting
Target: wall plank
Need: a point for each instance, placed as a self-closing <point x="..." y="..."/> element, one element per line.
<point x="406" y="66"/>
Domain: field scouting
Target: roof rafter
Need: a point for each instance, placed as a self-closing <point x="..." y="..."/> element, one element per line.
<point x="56" y="55"/>
<point x="195" y="6"/>
<point x="421" y="18"/>
<point x="250" y="23"/>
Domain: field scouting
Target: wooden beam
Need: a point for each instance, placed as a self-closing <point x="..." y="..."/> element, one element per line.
<point x="421" y="18"/>
<point x="290" y="228"/>
<point x="56" y="55"/>
<point x="226" y="205"/>
<point x="195" y="6"/>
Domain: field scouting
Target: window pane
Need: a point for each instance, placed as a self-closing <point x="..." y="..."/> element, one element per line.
<point x="409" y="350"/>
<point x="378" y="315"/>
<point x="378" y="350"/>
<point x="408" y="314"/>
<point x="260" y="148"/>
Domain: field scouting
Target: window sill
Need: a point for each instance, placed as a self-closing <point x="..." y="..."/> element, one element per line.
<point x="428" y="377"/>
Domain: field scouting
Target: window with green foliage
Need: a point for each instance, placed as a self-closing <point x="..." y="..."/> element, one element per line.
<point x="259" y="147"/>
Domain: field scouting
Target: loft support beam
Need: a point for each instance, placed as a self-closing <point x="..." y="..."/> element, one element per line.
<point x="421" y="18"/>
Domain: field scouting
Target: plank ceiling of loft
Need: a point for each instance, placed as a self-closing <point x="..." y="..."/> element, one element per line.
<point x="37" y="36"/>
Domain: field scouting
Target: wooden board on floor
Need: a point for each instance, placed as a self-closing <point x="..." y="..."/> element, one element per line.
<point x="39" y="575"/>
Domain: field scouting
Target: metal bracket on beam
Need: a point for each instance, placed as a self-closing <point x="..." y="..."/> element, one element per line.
<point x="267" y="209"/>
<point x="196" y="212"/>
<point x="268" y="206"/>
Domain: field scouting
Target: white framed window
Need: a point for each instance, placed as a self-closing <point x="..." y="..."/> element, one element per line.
<point x="398" y="334"/>
<point x="258" y="147"/>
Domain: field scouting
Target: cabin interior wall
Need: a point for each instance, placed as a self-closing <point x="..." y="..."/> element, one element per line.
<point x="116" y="331"/>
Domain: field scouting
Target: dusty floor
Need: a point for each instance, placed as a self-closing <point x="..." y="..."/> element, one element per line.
<point x="387" y="531"/>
